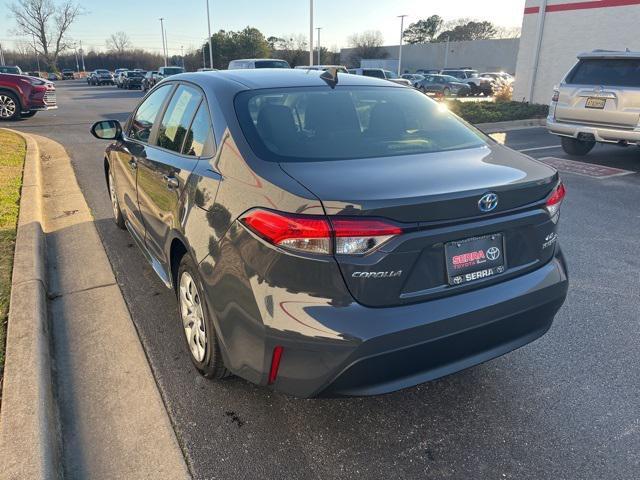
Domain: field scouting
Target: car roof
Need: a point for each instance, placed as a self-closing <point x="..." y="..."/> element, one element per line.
<point x="595" y="54"/>
<point x="257" y="59"/>
<point x="277" y="78"/>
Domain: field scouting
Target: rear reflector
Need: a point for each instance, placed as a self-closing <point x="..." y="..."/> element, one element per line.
<point x="275" y="363"/>
<point x="555" y="200"/>
<point x="319" y="234"/>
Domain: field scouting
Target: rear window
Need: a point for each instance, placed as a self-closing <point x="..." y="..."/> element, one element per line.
<point x="618" y="72"/>
<point x="317" y="123"/>
<point x="173" y="70"/>
<point x="271" y="64"/>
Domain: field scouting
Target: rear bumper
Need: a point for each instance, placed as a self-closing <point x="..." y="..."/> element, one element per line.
<point x="379" y="350"/>
<point x="601" y="134"/>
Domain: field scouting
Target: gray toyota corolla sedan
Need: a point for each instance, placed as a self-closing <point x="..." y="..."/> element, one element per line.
<point x="334" y="235"/>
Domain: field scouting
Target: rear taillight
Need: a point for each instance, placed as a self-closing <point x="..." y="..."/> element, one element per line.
<point x="556" y="96"/>
<point x="320" y="234"/>
<point x="555" y="200"/>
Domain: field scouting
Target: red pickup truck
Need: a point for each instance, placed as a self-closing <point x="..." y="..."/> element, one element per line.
<point x="23" y="96"/>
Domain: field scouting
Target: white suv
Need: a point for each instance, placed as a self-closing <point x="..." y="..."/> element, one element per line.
<point x="598" y="101"/>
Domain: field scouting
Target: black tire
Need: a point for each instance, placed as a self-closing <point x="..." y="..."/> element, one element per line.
<point x="9" y="106"/>
<point x="576" y="147"/>
<point x="118" y="218"/>
<point x="211" y="365"/>
<point x="28" y="114"/>
<point x="446" y="92"/>
<point x="474" y="89"/>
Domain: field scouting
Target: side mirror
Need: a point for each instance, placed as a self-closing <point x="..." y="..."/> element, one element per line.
<point x="107" y="130"/>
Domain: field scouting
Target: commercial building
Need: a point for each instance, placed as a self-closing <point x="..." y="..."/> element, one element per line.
<point x="483" y="55"/>
<point x="554" y="32"/>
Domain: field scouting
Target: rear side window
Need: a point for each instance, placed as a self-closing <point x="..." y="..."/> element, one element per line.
<point x="614" y="72"/>
<point x="199" y="141"/>
<point x="373" y="73"/>
<point x="146" y="114"/>
<point x="177" y="118"/>
<point x="317" y="123"/>
<point x="271" y="64"/>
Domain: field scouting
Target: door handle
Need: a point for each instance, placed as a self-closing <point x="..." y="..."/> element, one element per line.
<point x="172" y="182"/>
<point x="133" y="164"/>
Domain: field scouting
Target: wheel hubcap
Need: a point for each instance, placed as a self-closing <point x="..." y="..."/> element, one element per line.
<point x="192" y="317"/>
<point x="7" y="106"/>
<point x="112" y="194"/>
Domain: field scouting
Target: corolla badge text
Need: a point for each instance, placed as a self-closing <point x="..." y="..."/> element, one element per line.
<point x="389" y="274"/>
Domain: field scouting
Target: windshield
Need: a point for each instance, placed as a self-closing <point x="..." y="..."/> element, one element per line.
<point x="390" y="74"/>
<point x="102" y="72"/>
<point x="272" y="64"/>
<point x="317" y="123"/>
<point x="135" y="74"/>
<point x="614" y="72"/>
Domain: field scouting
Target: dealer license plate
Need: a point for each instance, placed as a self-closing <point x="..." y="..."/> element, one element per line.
<point x="475" y="258"/>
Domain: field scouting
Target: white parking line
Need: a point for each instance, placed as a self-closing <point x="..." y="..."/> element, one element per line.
<point x="548" y="147"/>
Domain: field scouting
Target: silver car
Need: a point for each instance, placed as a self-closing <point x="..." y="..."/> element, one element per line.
<point x="598" y="101"/>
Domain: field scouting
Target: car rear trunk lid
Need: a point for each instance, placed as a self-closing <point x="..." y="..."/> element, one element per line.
<point x="435" y="196"/>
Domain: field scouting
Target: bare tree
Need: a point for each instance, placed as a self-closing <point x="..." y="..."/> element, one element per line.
<point x="508" y="32"/>
<point x="46" y="24"/>
<point x="292" y="48"/>
<point x="367" y="45"/>
<point x="119" y="42"/>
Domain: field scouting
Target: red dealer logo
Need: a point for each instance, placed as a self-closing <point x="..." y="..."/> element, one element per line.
<point x="468" y="258"/>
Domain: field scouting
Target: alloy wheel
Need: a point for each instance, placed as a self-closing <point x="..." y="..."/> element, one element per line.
<point x="7" y="106"/>
<point x="192" y="317"/>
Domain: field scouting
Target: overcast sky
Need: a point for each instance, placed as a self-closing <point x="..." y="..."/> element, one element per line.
<point x="186" y="19"/>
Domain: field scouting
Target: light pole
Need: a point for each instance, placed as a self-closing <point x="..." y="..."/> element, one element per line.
<point x="182" y="55"/>
<point x="310" y="32"/>
<point x="1" y="56"/>
<point x="82" y="55"/>
<point x="164" y="47"/>
<point x="318" y="29"/>
<point x="210" y="41"/>
<point x="446" y="54"/>
<point x="77" y="63"/>
<point x="401" y="17"/>
<point x="36" y="51"/>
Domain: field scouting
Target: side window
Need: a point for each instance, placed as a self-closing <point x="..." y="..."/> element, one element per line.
<point x="146" y="114"/>
<point x="199" y="141"/>
<point x="177" y="118"/>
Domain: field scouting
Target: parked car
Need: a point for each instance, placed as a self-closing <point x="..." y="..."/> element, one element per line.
<point x="346" y="238"/>
<point x="498" y="76"/>
<point x="207" y="70"/>
<point x="100" y="77"/>
<point x="257" y="63"/>
<point x="597" y="102"/>
<point x="53" y="76"/>
<point x="149" y="80"/>
<point x="414" y="78"/>
<point x="444" y="84"/>
<point x="23" y="96"/>
<point x="68" y="74"/>
<point x="339" y="68"/>
<point x="35" y="74"/>
<point x="133" y="79"/>
<point x="424" y="71"/>
<point x="477" y="84"/>
<point x="164" y="72"/>
<point x="10" y="69"/>
<point x="381" y="73"/>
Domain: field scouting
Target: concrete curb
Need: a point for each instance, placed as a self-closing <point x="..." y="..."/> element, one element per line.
<point x="29" y="433"/>
<point x="498" y="127"/>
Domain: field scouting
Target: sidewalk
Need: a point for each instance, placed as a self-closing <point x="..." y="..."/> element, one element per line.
<point x="111" y="422"/>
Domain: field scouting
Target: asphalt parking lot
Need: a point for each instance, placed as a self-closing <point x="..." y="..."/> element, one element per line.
<point x="565" y="407"/>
